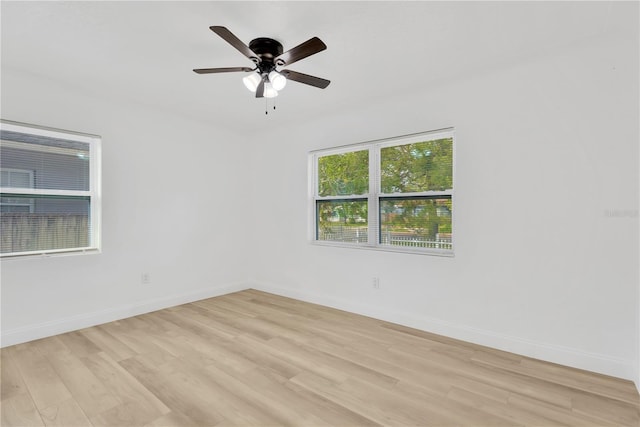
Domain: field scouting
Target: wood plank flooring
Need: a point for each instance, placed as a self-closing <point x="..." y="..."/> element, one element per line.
<point x="252" y="358"/>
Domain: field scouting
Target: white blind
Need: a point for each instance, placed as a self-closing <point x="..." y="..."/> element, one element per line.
<point x="60" y="164"/>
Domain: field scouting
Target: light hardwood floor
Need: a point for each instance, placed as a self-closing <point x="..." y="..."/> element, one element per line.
<point x="252" y="358"/>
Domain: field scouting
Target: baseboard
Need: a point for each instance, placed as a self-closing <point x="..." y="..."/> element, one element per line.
<point x="604" y="364"/>
<point x="73" y="323"/>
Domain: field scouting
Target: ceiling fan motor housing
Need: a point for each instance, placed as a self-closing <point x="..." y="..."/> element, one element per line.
<point x="267" y="49"/>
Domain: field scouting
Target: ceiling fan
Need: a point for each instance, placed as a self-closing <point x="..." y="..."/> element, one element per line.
<point x="267" y="55"/>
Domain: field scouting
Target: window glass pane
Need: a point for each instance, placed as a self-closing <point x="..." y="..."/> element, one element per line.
<point x="54" y="223"/>
<point x="343" y="174"/>
<point x="342" y="220"/>
<point x="422" y="166"/>
<point x="57" y="163"/>
<point x="416" y="222"/>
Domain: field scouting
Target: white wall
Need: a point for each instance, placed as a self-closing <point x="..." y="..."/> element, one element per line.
<point x="545" y="211"/>
<point x="168" y="209"/>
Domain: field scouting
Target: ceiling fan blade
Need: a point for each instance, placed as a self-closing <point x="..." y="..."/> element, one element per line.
<point x="221" y="70"/>
<point x="308" y="48"/>
<point x="230" y="38"/>
<point x="305" y="78"/>
<point x="260" y="88"/>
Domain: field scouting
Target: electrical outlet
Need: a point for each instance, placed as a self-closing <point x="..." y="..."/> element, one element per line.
<point x="375" y="284"/>
<point x="145" y="278"/>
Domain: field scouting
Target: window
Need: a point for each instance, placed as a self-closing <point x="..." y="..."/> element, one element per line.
<point x="50" y="190"/>
<point x="394" y="194"/>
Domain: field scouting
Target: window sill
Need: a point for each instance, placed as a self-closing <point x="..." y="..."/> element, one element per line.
<point x="49" y="254"/>
<point x="448" y="253"/>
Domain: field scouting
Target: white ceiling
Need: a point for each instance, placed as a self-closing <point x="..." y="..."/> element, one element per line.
<point x="145" y="51"/>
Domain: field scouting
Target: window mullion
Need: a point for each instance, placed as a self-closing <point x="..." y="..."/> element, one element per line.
<point x="345" y="197"/>
<point x="418" y="194"/>
<point x="374" y="190"/>
<point x="45" y="192"/>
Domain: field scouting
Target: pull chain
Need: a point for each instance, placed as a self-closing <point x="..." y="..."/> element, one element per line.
<point x="266" y="105"/>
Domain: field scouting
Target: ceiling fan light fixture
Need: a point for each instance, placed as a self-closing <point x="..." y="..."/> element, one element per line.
<point x="269" y="91"/>
<point x="278" y="81"/>
<point x="252" y="81"/>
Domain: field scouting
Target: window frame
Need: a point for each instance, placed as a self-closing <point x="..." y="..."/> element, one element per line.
<point x="93" y="194"/>
<point x="375" y="195"/>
